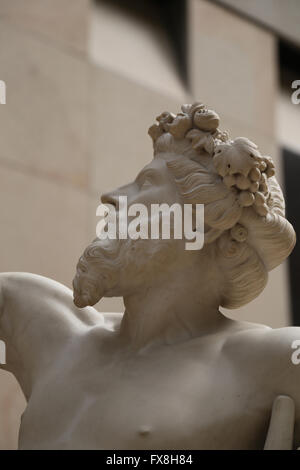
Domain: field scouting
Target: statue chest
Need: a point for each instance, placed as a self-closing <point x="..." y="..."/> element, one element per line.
<point x="145" y="403"/>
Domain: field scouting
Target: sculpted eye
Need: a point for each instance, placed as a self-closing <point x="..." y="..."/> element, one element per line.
<point x="145" y="182"/>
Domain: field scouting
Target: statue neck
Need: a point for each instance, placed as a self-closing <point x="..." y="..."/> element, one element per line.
<point x="177" y="310"/>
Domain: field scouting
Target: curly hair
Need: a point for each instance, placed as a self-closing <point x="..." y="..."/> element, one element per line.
<point x="244" y="208"/>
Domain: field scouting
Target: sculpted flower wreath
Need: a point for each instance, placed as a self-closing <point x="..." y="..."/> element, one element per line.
<point x="238" y="162"/>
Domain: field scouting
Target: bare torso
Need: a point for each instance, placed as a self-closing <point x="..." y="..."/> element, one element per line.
<point x="86" y="389"/>
<point x="165" y="398"/>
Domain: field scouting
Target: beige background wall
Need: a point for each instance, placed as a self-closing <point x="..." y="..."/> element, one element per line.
<point x="73" y="117"/>
<point x="282" y="16"/>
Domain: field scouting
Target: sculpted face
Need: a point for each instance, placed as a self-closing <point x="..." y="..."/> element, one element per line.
<point x="153" y="184"/>
<point x="119" y="267"/>
<point x="246" y="232"/>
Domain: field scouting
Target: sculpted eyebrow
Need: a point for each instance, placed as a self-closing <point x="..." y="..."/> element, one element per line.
<point x="147" y="172"/>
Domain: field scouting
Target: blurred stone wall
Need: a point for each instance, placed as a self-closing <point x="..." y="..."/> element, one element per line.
<point x="282" y="17"/>
<point x="74" y="126"/>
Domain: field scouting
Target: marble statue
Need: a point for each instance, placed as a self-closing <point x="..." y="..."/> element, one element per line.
<point x="172" y="372"/>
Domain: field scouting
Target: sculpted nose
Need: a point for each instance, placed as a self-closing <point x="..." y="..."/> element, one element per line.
<point x="110" y="198"/>
<point x="116" y="196"/>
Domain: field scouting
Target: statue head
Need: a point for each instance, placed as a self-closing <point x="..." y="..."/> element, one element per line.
<point x="246" y="233"/>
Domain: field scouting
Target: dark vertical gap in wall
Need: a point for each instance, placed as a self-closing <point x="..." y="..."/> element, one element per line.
<point x="291" y="165"/>
<point x="168" y="15"/>
<point x="174" y="17"/>
<point x="289" y="63"/>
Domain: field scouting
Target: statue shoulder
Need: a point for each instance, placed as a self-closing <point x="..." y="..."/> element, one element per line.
<point x="243" y="338"/>
<point x="113" y="319"/>
<point x="268" y="352"/>
<point x="282" y="346"/>
<point x="43" y="299"/>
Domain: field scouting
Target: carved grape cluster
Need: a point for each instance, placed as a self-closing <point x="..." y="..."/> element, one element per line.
<point x="238" y="162"/>
<point x="246" y="171"/>
<point x="195" y="116"/>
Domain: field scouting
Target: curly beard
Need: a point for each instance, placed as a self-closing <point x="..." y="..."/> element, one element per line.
<point x="118" y="267"/>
